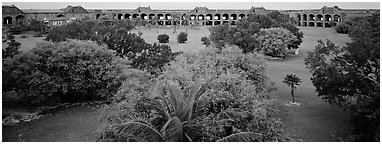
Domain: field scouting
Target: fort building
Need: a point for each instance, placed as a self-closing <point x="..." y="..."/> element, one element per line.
<point x="12" y="16"/>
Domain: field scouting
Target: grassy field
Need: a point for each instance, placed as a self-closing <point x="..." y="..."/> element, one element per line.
<point x="313" y="120"/>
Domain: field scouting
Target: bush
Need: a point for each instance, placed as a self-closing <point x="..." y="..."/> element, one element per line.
<point x="163" y="38"/>
<point x="275" y="41"/>
<point x="62" y="72"/>
<point x="296" y="32"/>
<point x="342" y="28"/>
<point x="182" y="37"/>
<point x="206" y="41"/>
<point x="243" y="35"/>
<point x="12" y="49"/>
<point x="24" y="36"/>
<point x="238" y="87"/>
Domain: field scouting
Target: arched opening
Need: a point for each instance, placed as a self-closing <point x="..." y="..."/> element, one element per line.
<point x="160" y="23"/>
<point x="225" y="17"/>
<point x="336" y="18"/>
<point x="299" y="24"/>
<point x="19" y="19"/>
<point x="327" y="24"/>
<point x="200" y="17"/>
<point x="160" y="17"/>
<point x="144" y="16"/>
<point x="168" y="17"/>
<point x="233" y="22"/>
<point x="97" y="16"/>
<point x="120" y="16"/>
<point x="217" y="22"/>
<point x="151" y="16"/>
<point x="192" y="17"/>
<point x="319" y="17"/>
<point x="7" y="20"/>
<point x="60" y="16"/>
<point x="304" y="23"/>
<point x="217" y="17"/>
<point x="208" y="23"/>
<point x="311" y="24"/>
<point x="168" y="22"/>
<point x="299" y="17"/>
<point x="127" y="16"/>
<point x="311" y="17"/>
<point x="184" y="17"/>
<point x="135" y="15"/>
<point x="328" y="17"/>
<point x="209" y="17"/>
<point x="233" y="17"/>
<point x="319" y="24"/>
<point x="241" y="16"/>
<point x="304" y="17"/>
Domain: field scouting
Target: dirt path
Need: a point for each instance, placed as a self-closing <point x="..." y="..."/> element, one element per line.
<point x="314" y="120"/>
<point x="74" y="124"/>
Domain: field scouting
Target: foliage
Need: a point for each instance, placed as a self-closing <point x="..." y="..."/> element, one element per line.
<point x="163" y="38"/>
<point x="243" y="35"/>
<point x="13" y="47"/>
<point x="206" y="41"/>
<point x="275" y="41"/>
<point x="263" y="20"/>
<point x="296" y="32"/>
<point x="62" y="72"/>
<point x="349" y="77"/>
<point x="37" y="26"/>
<point x="342" y="28"/>
<point x="37" y="34"/>
<point x="24" y="36"/>
<point x="182" y="37"/>
<point x="292" y="80"/>
<point x="237" y="101"/>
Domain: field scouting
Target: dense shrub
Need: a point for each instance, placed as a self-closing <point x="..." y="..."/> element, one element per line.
<point x="182" y="37"/>
<point x="37" y="26"/>
<point x="349" y="76"/>
<point x="243" y="35"/>
<point x="296" y="32"/>
<point x="275" y="41"/>
<point x="62" y="72"/>
<point x="24" y="36"/>
<point x="163" y="38"/>
<point x="237" y="101"/>
<point x="206" y="41"/>
<point x="342" y="28"/>
<point x="12" y="49"/>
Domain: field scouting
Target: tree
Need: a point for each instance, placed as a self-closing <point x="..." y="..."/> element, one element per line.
<point x="274" y="41"/>
<point x="350" y="77"/>
<point x="292" y="80"/>
<point x="13" y="47"/>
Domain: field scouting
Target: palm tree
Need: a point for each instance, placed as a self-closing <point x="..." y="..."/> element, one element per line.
<point x="177" y="128"/>
<point x="292" y="80"/>
<point x="155" y="22"/>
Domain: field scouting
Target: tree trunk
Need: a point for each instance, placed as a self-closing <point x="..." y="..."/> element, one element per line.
<point x="292" y="92"/>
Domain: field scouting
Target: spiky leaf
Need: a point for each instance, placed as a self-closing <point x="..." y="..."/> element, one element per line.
<point x="173" y="130"/>
<point x="242" y="137"/>
<point x="139" y="130"/>
<point x="177" y="98"/>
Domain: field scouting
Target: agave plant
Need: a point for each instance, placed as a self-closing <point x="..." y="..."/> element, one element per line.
<point x="180" y="114"/>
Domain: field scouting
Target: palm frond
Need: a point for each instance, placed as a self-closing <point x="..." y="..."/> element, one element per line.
<point x="242" y="137"/>
<point x="177" y="98"/>
<point x="187" y="111"/>
<point x="173" y="130"/>
<point x="139" y="130"/>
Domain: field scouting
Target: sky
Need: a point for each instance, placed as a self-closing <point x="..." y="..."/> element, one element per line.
<point x="193" y="4"/>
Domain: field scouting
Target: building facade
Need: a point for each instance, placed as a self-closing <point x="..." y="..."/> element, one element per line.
<point x="324" y="17"/>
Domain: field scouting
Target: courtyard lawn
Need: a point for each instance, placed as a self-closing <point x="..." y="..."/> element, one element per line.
<point x="313" y="120"/>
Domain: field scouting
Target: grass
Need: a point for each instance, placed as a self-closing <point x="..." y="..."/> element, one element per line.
<point x="314" y="120"/>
